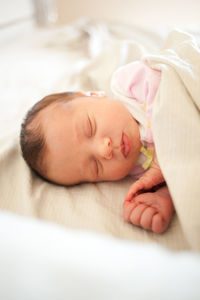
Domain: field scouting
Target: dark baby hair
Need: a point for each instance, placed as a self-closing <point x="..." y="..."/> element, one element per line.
<point x="32" y="139"/>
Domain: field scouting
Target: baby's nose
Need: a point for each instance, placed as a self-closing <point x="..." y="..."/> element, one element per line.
<point x="106" y="148"/>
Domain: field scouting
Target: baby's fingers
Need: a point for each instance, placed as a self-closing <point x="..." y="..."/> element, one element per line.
<point x="147" y="217"/>
<point x="128" y="207"/>
<point x="158" y="224"/>
<point x="136" y="214"/>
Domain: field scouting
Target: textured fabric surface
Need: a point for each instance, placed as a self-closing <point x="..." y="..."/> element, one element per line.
<point x="176" y="127"/>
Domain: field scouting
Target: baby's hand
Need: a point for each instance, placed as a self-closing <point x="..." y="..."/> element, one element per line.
<point x="151" y="211"/>
<point x="151" y="178"/>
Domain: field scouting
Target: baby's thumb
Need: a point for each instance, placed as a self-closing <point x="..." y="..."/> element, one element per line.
<point x="135" y="189"/>
<point x="130" y="194"/>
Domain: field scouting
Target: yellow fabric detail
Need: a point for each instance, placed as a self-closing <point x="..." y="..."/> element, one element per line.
<point x="148" y="123"/>
<point x="144" y="106"/>
<point x="148" y="152"/>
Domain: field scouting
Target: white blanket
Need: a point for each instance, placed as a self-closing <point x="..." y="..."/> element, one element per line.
<point x="176" y="127"/>
<point x="40" y="261"/>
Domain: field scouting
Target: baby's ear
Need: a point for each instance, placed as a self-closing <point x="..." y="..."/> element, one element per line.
<point x="92" y="93"/>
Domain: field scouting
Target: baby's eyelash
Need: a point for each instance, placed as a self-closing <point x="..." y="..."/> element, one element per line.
<point x="90" y="125"/>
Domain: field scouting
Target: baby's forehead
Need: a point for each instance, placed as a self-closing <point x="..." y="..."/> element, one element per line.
<point x="54" y="117"/>
<point x="58" y="108"/>
<point x="48" y="113"/>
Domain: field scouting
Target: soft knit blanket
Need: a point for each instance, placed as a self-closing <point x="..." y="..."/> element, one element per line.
<point x="176" y="127"/>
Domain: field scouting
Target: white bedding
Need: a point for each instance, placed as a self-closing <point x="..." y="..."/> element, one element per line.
<point x="43" y="261"/>
<point x="83" y="55"/>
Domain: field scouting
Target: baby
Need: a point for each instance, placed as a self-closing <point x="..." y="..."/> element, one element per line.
<point x="74" y="137"/>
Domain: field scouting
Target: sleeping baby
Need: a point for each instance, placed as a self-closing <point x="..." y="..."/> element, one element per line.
<point x="74" y="137"/>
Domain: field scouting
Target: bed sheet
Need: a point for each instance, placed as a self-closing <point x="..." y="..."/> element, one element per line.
<point x="77" y="56"/>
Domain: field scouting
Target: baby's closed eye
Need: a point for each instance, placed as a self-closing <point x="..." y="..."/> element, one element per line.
<point x="88" y="127"/>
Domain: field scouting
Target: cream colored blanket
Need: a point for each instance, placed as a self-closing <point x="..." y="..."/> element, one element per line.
<point x="84" y="56"/>
<point x="176" y="127"/>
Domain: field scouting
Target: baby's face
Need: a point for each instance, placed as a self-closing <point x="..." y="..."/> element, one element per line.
<point x="89" y="139"/>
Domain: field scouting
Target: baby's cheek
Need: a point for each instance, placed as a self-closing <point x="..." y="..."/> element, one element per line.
<point x="118" y="172"/>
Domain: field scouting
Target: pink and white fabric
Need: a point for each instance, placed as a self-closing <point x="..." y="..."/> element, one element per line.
<point x="136" y="85"/>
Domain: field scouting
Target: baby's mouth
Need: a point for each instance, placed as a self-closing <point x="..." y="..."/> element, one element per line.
<point x="125" y="145"/>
